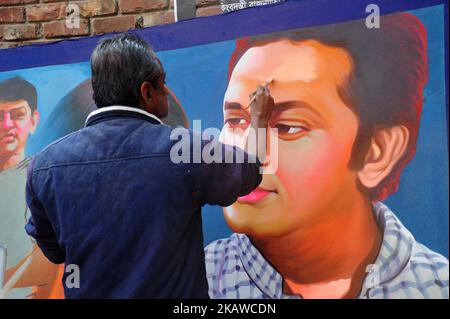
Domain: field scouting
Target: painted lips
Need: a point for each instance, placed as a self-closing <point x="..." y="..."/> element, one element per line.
<point x="8" y="138"/>
<point x="254" y="197"/>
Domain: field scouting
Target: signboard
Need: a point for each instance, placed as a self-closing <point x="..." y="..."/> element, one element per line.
<point x="233" y="5"/>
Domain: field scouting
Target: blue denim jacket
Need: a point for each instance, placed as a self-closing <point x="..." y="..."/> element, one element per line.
<point x="109" y="199"/>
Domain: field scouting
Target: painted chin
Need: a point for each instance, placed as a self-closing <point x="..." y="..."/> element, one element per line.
<point x="259" y="195"/>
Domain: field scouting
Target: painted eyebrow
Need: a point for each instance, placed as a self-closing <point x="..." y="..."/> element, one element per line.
<point x="283" y="106"/>
<point x="232" y="106"/>
<point x="279" y="107"/>
<point x="18" y="108"/>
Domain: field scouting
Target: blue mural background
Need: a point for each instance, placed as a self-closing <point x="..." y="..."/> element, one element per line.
<point x="198" y="76"/>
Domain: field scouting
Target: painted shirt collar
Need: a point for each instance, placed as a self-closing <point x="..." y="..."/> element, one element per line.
<point x="100" y="112"/>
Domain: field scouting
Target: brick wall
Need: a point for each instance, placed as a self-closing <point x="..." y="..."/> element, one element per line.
<point x="38" y="21"/>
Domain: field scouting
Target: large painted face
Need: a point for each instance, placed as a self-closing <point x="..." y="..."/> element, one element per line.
<point x="16" y="123"/>
<point x="316" y="131"/>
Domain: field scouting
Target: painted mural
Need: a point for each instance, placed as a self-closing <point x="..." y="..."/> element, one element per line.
<point x="362" y="164"/>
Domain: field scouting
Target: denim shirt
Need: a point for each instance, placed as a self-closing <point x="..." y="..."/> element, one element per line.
<point x="109" y="199"/>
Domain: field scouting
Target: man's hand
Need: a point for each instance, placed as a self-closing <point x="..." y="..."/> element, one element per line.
<point x="261" y="106"/>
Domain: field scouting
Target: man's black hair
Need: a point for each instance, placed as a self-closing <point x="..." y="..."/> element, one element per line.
<point x="120" y="65"/>
<point x="17" y="88"/>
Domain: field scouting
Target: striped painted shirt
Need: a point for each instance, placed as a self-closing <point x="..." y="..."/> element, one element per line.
<point x="404" y="268"/>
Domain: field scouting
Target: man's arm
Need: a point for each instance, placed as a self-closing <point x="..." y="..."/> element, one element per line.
<point x="39" y="226"/>
<point x="222" y="183"/>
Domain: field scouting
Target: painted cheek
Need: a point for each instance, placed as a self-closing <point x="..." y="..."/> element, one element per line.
<point x="23" y="129"/>
<point x="226" y="137"/>
<point x="308" y="164"/>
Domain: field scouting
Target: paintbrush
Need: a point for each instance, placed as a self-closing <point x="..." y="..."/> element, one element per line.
<point x="268" y="81"/>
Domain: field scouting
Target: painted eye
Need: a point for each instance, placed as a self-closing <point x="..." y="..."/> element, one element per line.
<point x="291" y="132"/>
<point x="289" y="129"/>
<point x="236" y="122"/>
<point x="18" y="114"/>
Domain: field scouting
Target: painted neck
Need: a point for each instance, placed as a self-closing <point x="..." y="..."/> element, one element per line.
<point x="329" y="259"/>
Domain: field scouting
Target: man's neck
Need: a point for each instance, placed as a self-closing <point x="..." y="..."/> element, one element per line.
<point x="329" y="259"/>
<point x="7" y="162"/>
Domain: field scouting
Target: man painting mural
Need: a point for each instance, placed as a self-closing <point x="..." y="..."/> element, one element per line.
<point x="26" y="265"/>
<point x="348" y="102"/>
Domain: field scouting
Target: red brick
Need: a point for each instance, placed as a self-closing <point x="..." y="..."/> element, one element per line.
<point x="209" y="11"/>
<point x="114" y="24"/>
<point x="133" y="6"/>
<point x="12" y="2"/>
<point x="47" y="12"/>
<point x="14" y="14"/>
<point x="21" y="32"/>
<point x="56" y="29"/>
<point x="156" y="18"/>
<point x="97" y="8"/>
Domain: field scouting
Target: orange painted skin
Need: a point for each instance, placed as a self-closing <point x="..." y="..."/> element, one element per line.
<point x="315" y="227"/>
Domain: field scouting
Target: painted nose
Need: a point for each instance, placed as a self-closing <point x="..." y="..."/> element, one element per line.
<point x="6" y="123"/>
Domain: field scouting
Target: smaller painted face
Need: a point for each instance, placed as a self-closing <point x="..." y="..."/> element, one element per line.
<point x="17" y="121"/>
<point x="316" y="132"/>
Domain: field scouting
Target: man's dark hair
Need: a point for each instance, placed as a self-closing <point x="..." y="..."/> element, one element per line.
<point x="17" y="88"/>
<point x="119" y="66"/>
<point x="385" y="87"/>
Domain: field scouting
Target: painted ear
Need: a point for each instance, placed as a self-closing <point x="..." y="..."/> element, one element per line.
<point x="387" y="147"/>
<point x="35" y="117"/>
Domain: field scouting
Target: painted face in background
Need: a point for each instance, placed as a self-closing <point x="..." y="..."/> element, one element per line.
<point x="316" y="132"/>
<point x="16" y="123"/>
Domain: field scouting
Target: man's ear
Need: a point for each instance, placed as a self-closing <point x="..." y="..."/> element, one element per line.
<point x="146" y="94"/>
<point x="35" y="117"/>
<point x="386" y="148"/>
